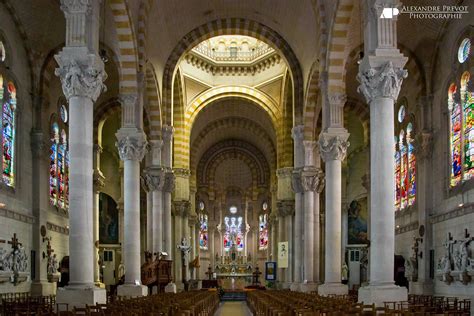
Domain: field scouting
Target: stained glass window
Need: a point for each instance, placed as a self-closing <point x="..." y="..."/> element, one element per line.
<point x="464" y="50"/>
<point x="203" y="232"/>
<point x="405" y="164"/>
<point x="233" y="235"/>
<point x="8" y="134"/>
<point x="263" y="232"/>
<point x="461" y="121"/>
<point x="59" y="163"/>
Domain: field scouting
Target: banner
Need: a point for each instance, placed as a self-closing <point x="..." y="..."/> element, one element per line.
<point x="270" y="271"/>
<point x="283" y="254"/>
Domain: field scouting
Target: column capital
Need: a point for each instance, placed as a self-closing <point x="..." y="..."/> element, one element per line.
<point x="284" y="172"/>
<point x="424" y="144"/>
<point x="333" y="146"/>
<point x="81" y="74"/>
<point x="286" y="207"/>
<point x="131" y="144"/>
<point x="296" y="182"/>
<point x="297" y="133"/>
<point x="337" y="99"/>
<point x="181" y="208"/>
<point x="312" y="179"/>
<point x="167" y="132"/>
<point x="169" y="182"/>
<point x="99" y="181"/>
<point x="182" y="172"/>
<point x="383" y="81"/>
<point x="153" y="179"/>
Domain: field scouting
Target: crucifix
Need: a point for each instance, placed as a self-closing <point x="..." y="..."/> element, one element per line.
<point x="209" y="273"/>
<point x="14" y="242"/>
<point x="256" y="276"/>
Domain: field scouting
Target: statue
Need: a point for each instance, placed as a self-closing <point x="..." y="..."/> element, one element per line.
<point x="52" y="264"/>
<point x="185" y="249"/>
<point x="344" y="271"/>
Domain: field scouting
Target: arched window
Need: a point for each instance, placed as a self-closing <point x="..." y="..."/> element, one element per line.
<point x="405" y="162"/>
<point x="59" y="161"/>
<point x="263" y="232"/>
<point x="203" y="227"/>
<point x="461" y="118"/>
<point x="233" y="235"/>
<point x="9" y="106"/>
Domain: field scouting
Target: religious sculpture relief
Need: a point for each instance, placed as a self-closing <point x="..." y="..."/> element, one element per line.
<point x="384" y="82"/>
<point x="13" y="263"/>
<point x="456" y="263"/>
<point x="81" y="78"/>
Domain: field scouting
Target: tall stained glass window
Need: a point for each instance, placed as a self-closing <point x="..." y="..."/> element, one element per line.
<point x="405" y="162"/>
<point x="9" y="106"/>
<point x="233" y="235"/>
<point x="460" y="104"/>
<point x="263" y="232"/>
<point x="203" y="232"/>
<point x="59" y="162"/>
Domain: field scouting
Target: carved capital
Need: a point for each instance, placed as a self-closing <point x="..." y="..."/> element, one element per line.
<point x="333" y="146"/>
<point x="312" y="180"/>
<point x="182" y="172"/>
<point x="297" y="133"/>
<point x="424" y="144"/>
<point x="296" y="183"/>
<point x="337" y="99"/>
<point x="131" y="146"/>
<point x="81" y="76"/>
<point x="286" y="207"/>
<point x="169" y="182"/>
<point x="153" y="179"/>
<point x="76" y="6"/>
<point x="99" y="181"/>
<point x="284" y="172"/>
<point x="382" y="82"/>
<point x="181" y="208"/>
<point x="167" y="133"/>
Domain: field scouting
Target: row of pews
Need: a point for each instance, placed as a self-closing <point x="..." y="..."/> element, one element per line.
<point x="203" y="303"/>
<point x="286" y="303"/>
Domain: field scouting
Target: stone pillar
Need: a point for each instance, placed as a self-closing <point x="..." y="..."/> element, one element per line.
<point x="82" y="74"/>
<point x="333" y="147"/>
<point x="311" y="180"/>
<point x="281" y="237"/>
<point x="131" y="145"/>
<point x="40" y="285"/>
<point x="98" y="186"/>
<point x="298" y="135"/>
<point x="166" y="155"/>
<point x="381" y="74"/>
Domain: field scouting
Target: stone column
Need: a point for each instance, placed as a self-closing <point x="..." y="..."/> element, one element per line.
<point x="311" y="179"/>
<point x="281" y="237"/>
<point x="298" y="135"/>
<point x="333" y="147"/>
<point x="98" y="186"/>
<point x="381" y="74"/>
<point x="82" y="74"/>
<point x="131" y="145"/>
<point x="166" y="155"/>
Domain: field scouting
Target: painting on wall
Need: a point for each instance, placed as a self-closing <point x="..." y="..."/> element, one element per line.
<point x="357" y="222"/>
<point x="108" y="220"/>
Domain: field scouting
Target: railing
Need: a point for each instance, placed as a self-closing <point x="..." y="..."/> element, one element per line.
<point x="233" y="55"/>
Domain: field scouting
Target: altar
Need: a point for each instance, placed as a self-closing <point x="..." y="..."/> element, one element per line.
<point x="233" y="270"/>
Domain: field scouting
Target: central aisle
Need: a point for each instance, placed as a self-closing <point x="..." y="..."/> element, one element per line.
<point x="233" y="309"/>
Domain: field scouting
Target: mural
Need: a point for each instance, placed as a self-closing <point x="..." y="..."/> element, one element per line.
<point x="357" y="222"/>
<point x="108" y="220"/>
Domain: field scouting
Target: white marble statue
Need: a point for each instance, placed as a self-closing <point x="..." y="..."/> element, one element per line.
<point x="185" y="249"/>
<point x="52" y="264"/>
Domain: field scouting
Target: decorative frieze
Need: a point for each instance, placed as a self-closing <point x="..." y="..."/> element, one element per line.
<point x="57" y="229"/>
<point x="382" y="82"/>
<point x="406" y="228"/>
<point x="457" y="212"/>
<point x="16" y="216"/>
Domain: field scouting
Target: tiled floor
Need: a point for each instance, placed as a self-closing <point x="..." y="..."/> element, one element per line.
<point x="233" y="309"/>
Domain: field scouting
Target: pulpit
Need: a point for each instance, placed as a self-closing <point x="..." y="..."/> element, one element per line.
<point x="156" y="272"/>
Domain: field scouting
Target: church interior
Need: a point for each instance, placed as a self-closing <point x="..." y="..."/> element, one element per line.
<point x="220" y="157"/>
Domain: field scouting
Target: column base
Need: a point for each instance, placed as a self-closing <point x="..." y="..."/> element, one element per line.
<point x="378" y="294"/>
<point x="132" y="290"/>
<point x="295" y="286"/>
<point x="43" y="288"/>
<point x="425" y="288"/>
<point x="309" y="287"/>
<point x="170" y="288"/>
<point x="79" y="297"/>
<point x="333" y="289"/>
